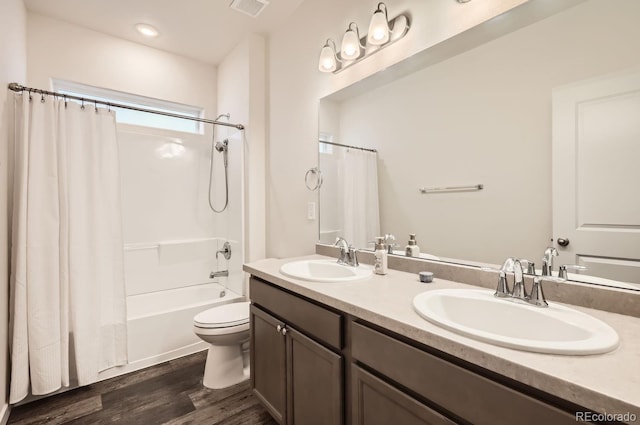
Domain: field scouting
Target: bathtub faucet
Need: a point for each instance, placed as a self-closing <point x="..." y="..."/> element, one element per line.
<point x="222" y="273"/>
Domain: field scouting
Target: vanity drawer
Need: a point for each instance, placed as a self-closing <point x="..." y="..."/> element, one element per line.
<point x="323" y="324"/>
<point x="377" y="403"/>
<point x="465" y="394"/>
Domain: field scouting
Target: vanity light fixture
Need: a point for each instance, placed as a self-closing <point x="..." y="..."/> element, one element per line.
<point x="382" y="33"/>
<point x="351" y="46"/>
<point x="328" y="58"/>
<point x="147" y="30"/>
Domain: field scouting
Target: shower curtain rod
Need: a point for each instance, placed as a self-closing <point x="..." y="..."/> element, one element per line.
<point x="349" y="146"/>
<point x="20" y="88"/>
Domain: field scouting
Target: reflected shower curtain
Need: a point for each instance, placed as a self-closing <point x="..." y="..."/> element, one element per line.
<point x="68" y="311"/>
<point x="358" y="182"/>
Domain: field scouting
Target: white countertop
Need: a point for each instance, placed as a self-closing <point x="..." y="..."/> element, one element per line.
<point x="603" y="383"/>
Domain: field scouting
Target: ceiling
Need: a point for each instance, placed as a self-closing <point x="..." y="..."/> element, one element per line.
<point x="205" y="30"/>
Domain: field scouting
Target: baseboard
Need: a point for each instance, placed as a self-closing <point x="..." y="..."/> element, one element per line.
<point x="4" y="414"/>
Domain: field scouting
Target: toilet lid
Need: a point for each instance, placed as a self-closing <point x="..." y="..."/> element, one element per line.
<point x="223" y="316"/>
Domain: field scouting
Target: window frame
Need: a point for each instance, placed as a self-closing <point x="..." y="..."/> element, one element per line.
<point x="138" y="101"/>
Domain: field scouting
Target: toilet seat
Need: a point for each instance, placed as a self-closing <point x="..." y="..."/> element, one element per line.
<point x="224" y="316"/>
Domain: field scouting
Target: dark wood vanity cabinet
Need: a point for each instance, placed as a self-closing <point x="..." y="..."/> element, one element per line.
<point x="298" y="377"/>
<point x="313" y="365"/>
<point x="460" y="395"/>
<point x="268" y="363"/>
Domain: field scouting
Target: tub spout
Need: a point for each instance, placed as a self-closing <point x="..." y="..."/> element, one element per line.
<point x="222" y="273"/>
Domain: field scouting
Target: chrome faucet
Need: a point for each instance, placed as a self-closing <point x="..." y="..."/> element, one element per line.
<point x="389" y="240"/>
<point x="547" y="261"/>
<point x="348" y="254"/>
<point x="519" y="291"/>
<point x="221" y="273"/>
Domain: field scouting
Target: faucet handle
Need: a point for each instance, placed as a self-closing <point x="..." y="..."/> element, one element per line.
<point x="353" y="256"/>
<point x="537" y="295"/>
<point x="225" y="251"/>
<point x="531" y="268"/>
<point x="562" y="271"/>
<point x="503" y="290"/>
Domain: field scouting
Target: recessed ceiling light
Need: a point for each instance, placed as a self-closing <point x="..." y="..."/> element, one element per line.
<point x="147" y="30"/>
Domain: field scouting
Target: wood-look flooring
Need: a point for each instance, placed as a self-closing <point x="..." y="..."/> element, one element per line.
<point x="169" y="393"/>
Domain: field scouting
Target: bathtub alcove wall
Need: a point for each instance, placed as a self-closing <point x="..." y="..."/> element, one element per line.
<point x="172" y="236"/>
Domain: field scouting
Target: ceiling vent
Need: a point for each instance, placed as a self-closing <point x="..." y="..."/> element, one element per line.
<point x="249" y="7"/>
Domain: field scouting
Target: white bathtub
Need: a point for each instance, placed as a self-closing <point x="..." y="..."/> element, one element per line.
<point x="160" y="324"/>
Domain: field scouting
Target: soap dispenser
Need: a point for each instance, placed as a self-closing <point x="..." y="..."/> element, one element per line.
<point x="412" y="249"/>
<point x="380" y="253"/>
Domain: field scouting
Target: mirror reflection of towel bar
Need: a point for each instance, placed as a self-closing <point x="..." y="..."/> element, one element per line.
<point x="451" y="189"/>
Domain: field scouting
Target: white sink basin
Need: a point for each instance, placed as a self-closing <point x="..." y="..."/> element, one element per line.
<point x="324" y="271"/>
<point x="478" y="314"/>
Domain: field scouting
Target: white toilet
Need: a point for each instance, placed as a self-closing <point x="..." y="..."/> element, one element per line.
<point x="226" y="329"/>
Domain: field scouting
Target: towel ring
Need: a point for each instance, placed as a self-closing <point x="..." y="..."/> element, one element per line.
<point x="315" y="171"/>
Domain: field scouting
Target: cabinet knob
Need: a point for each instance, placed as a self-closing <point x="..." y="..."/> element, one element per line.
<point x="283" y="331"/>
<point x="279" y="328"/>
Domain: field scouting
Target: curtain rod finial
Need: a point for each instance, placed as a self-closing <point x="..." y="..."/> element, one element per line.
<point x="15" y="87"/>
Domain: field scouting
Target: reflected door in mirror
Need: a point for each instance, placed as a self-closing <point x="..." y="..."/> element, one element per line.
<point x="596" y="199"/>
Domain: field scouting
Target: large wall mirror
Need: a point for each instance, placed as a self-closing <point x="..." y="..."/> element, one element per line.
<point x="534" y="137"/>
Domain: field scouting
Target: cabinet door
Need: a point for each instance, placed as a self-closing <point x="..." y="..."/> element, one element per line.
<point x="377" y="403"/>
<point x="315" y="382"/>
<point x="268" y="363"/>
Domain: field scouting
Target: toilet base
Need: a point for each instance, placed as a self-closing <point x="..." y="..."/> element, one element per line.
<point x="225" y="367"/>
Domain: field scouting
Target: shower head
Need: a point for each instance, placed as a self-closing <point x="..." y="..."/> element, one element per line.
<point x="227" y="116"/>
<point x="222" y="146"/>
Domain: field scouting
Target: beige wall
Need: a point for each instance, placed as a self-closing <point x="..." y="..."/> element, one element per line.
<point x="241" y="92"/>
<point x="296" y="86"/>
<point x="57" y="49"/>
<point x="485" y="117"/>
<point x="13" y="68"/>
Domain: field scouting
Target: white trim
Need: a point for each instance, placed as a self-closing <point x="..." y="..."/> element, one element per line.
<point x="4" y="414"/>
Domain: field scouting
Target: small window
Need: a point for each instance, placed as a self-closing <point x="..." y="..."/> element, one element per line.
<point x="325" y="147"/>
<point x="128" y="116"/>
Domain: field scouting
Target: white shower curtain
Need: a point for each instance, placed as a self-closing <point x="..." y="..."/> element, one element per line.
<point x="358" y="182"/>
<point x="68" y="311"/>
